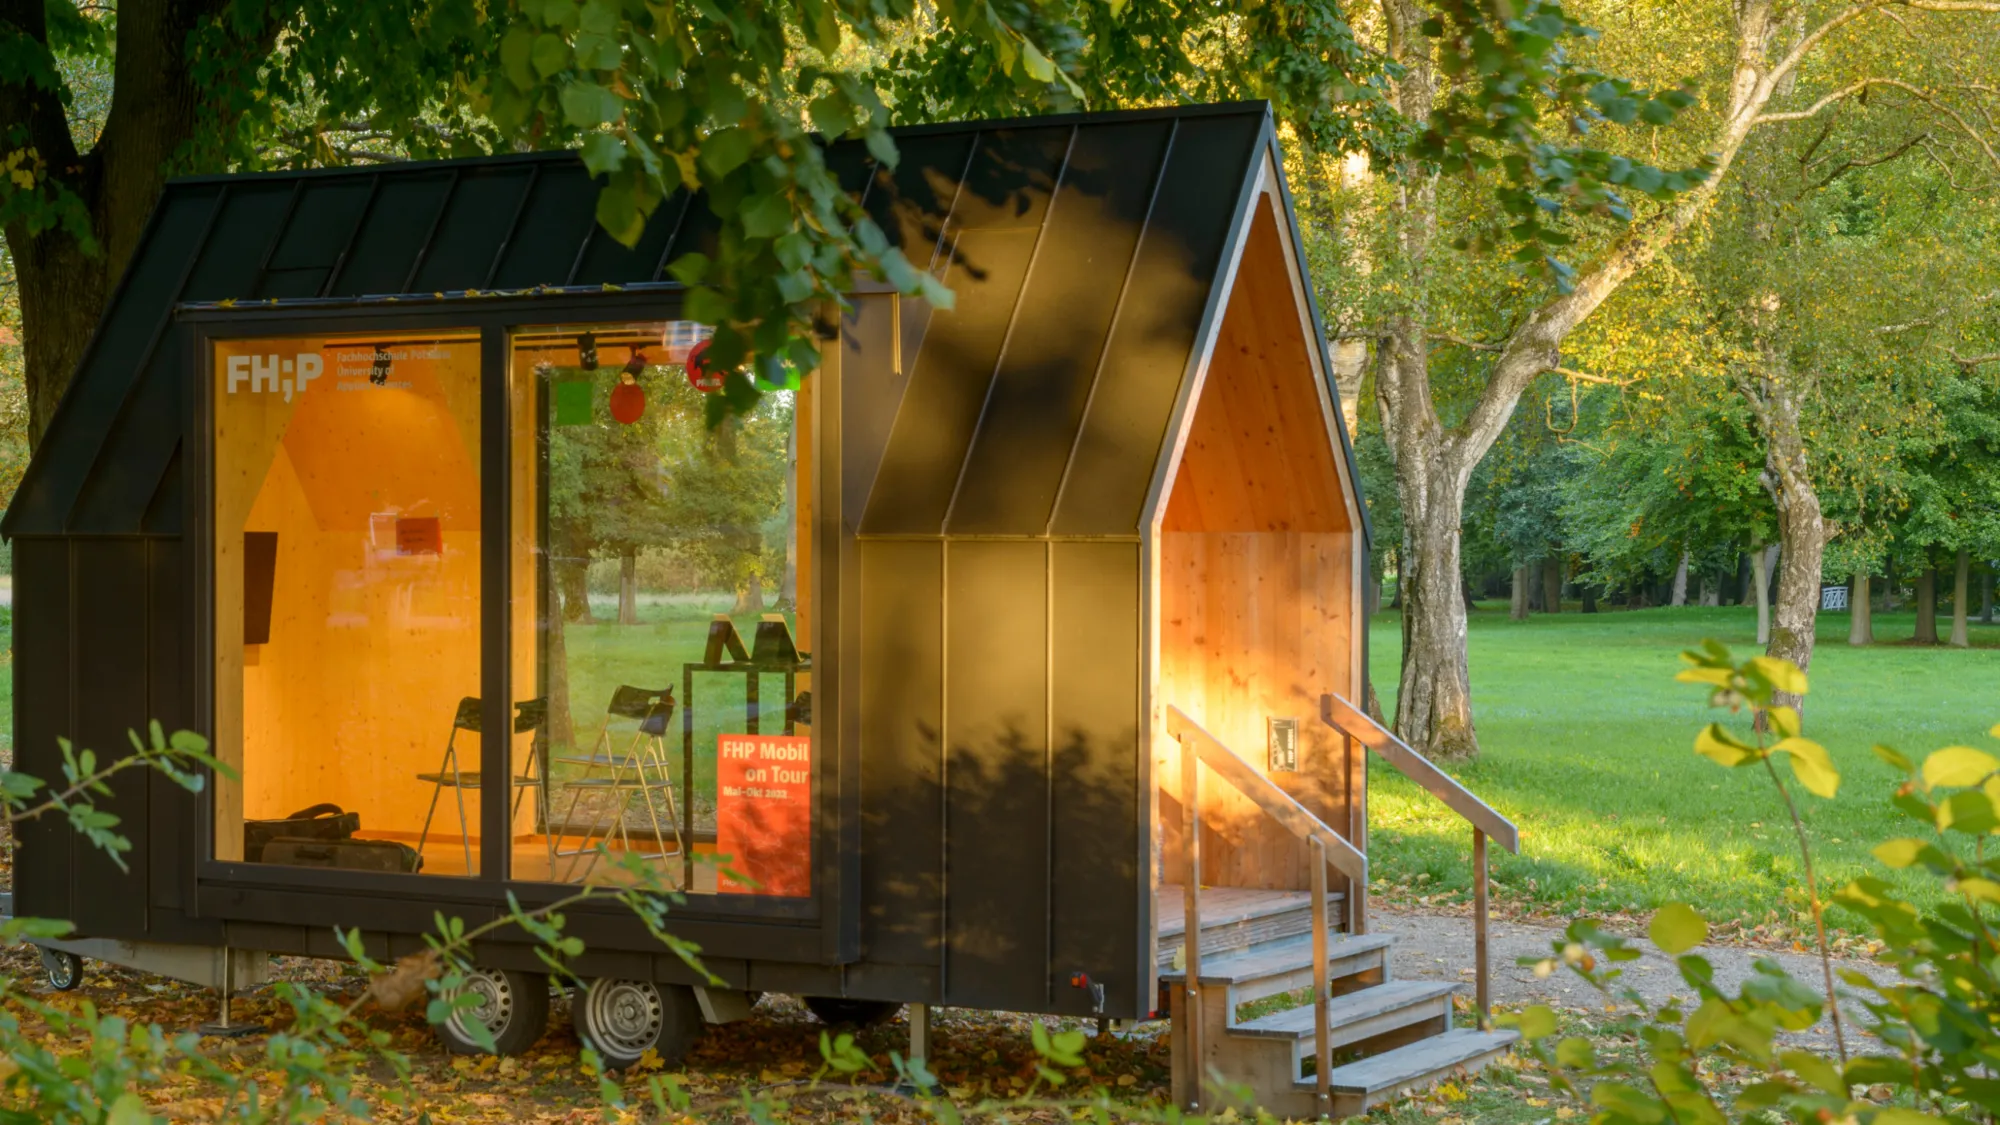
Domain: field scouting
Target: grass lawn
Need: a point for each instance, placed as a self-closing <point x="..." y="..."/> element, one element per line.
<point x="671" y="632"/>
<point x="1587" y="744"/>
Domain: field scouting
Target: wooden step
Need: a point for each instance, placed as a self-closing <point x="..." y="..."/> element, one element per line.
<point x="1357" y="1016"/>
<point x="1286" y="965"/>
<point x="1236" y="918"/>
<point x="1361" y="1086"/>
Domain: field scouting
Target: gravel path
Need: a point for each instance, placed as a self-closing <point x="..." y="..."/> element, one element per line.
<point x="1433" y="946"/>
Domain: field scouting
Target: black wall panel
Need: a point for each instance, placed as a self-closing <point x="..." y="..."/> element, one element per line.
<point x="252" y="219"/>
<point x="871" y="390"/>
<point x="902" y="750"/>
<point x="463" y="252"/>
<point x="996" y="773"/>
<point x="171" y="810"/>
<point x="397" y="226"/>
<point x="609" y="260"/>
<point x="562" y="208"/>
<point x="148" y="431"/>
<point x="323" y="223"/>
<point x="164" y="512"/>
<point x="112" y="699"/>
<point x="1099" y="791"/>
<point x="1037" y="397"/>
<point x="911" y="201"/>
<point x="948" y="380"/>
<point x="43" y="656"/>
<point x="1171" y="287"/>
<point x="120" y="350"/>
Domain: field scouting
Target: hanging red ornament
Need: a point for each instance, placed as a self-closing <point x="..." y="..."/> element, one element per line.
<point x="701" y="376"/>
<point x="628" y="398"/>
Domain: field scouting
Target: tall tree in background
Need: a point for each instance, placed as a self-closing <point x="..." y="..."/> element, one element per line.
<point x="1748" y="54"/>
<point x="1829" y="236"/>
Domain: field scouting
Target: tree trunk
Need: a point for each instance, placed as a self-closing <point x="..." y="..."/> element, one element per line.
<point x="1801" y="531"/>
<point x="1889" y="586"/>
<point x="788" y="588"/>
<point x="1372" y="596"/>
<point x="1680" y="597"/>
<point x="1434" y="465"/>
<point x="1518" y="606"/>
<point x="1927" y="607"/>
<point x="1434" y="698"/>
<point x="1589" y="597"/>
<point x="1760" y="593"/>
<point x="749" y="597"/>
<point x="628" y="586"/>
<point x="555" y="668"/>
<point x="1711" y="590"/>
<point x="146" y="135"/>
<point x="1552" y="583"/>
<point x="1986" y="595"/>
<point x="572" y="574"/>
<point x="1960" y="636"/>
<point x="1861" y="629"/>
<point x="1747" y="576"/>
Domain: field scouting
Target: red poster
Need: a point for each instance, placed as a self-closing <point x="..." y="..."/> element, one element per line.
<point x="420" y="535"/>
<point x="763" y="813"/>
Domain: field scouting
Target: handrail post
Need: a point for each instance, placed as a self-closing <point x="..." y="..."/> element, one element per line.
<point x="1357" y="827"/>
<point x="1191" y="937"/>
<point x="1482" y="982"/>
<point x="1322" y="1053"/>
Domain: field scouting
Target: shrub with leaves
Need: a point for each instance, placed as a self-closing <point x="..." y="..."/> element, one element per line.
<point x="1927" y="1047"/>
<point x="329" y="1063"/>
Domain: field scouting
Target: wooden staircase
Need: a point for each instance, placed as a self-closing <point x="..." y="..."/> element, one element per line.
<point x="1385" y="1035"/>
<point x="1358" y="1037"/>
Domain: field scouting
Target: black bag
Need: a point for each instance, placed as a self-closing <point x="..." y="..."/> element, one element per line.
<point x="347" y="855"/>
<point x="320" y="822"/>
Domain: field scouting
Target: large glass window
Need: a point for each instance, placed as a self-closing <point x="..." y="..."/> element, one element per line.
<point x="661" y="563"/>
<point x="347" y="527"/>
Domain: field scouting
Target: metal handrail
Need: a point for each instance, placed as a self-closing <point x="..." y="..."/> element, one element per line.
<point x="1198" y="747"/>
<point x="1354" y="723"/>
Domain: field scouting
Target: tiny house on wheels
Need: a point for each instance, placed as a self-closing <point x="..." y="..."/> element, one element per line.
<point x="397" y="483"/>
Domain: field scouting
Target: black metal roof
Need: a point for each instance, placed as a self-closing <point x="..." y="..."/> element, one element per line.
<point x="1083" y="249"/>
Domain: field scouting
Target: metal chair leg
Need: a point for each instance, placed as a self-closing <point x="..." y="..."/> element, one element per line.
<point x="458" y="785"/>
<point x="569" y="814"/>
<point x="437" y="790"/>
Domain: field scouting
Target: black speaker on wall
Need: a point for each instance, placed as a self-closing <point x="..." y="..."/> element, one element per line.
<point x="260" y="567"/>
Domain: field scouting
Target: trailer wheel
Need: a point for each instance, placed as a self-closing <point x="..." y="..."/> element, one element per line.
<point x="63" y="969"/>
<point x="623" y="1019"/>
<point x="514" y="1006"/>
<point x="838" y="1010"/>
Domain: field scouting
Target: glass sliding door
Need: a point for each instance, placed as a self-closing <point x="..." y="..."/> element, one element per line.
<point x="347" y="578"/>
<point x="661" y="573"/>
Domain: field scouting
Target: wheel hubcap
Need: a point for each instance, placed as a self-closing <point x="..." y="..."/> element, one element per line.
<point x="624" y="1017"/>
<point x="495" y="1005"/>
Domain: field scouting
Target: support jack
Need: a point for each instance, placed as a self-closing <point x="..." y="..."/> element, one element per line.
<point x="224" y="1027"/>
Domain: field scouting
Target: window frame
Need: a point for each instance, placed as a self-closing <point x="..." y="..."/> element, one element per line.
<point x="812" y="929"/>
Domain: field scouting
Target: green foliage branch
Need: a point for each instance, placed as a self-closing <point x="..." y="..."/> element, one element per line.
<point x="1520" y="106"/>
<point x="1932" y="1029"/>
<point x="86" y="1067"/>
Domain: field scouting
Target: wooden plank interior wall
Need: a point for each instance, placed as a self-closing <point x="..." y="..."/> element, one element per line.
<point x="1256" y="578"/>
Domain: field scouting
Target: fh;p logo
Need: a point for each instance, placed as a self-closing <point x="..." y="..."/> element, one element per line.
<point x="269" y="373"/>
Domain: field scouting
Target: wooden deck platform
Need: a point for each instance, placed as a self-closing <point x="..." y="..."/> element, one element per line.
<point x="1235" y="918"/>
